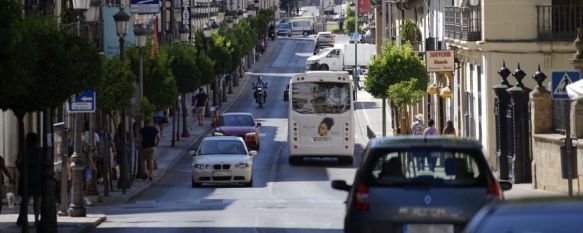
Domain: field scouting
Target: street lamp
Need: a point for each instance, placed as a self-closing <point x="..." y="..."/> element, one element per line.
<point x="76" y="207"/>
<point x="121" y="19"/>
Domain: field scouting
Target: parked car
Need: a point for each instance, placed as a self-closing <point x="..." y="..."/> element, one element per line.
<point x="241" y="124"/>
<point x="324" y="38"/>
<point x="540" y="215"/>
<point x="286" y="93"/>
<point x="283" y="29"/>
<point x="222" y="159"/>
<point x="419" y="184"/>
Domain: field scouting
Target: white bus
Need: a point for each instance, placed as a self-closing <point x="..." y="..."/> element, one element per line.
<point x="321" y="116"/>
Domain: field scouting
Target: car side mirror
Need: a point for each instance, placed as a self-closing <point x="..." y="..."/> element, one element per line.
<point x="253" y="153"/>
<point x="258" y="124"/>
<point x="191" y="152"/>
<point x="340" y="185"/>
<point x="505" y="185"/>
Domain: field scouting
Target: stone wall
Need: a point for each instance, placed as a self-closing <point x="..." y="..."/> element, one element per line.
<point x="547" y="164"/>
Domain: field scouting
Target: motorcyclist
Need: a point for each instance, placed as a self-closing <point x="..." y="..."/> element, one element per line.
<point x="259" y="83"/>
<point x="272" y="31"/>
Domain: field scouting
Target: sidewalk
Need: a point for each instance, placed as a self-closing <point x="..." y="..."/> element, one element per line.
<point x="166" y="157"/>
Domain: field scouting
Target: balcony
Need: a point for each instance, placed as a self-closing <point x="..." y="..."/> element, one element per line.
<point x="462" y="23"/>
<point x="558" y="23"/>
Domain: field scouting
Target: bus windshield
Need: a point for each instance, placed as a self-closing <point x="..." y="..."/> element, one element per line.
<point x="320" y="97"/>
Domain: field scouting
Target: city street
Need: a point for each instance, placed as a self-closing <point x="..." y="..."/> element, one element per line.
<point x="282" y="199"/>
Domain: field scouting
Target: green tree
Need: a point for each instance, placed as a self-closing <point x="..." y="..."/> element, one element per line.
<point x="405" y="93"/>
<point x="398" y="65"/>
<point x="159" y="84"/>
<point x="219" y="53"/>
<point x="116" y="86"/>
<point x="409" y="31"/>
<point x="41" y="68"/>
<point x="183" y="59"/>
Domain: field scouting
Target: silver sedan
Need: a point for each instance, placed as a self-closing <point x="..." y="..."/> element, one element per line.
<point x="222" y="160"/>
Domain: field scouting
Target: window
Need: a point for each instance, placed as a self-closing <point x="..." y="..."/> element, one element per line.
<point x="237" y="120"/>
<point x="212" y="147"/>
<point x="320" y="97"/>
<point x="426" y="167"/>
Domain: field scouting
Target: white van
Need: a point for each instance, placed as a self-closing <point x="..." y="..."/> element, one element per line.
<point x="303" y="27"/>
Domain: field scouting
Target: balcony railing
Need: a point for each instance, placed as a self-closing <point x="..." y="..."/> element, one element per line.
<point x="558" y="23"/>
<point x="463" y="23"/>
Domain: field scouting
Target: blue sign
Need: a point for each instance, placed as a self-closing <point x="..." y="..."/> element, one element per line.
<point x="559" y="82"/>
<point x="84" y="102"/>
<point x="145" y="6"/>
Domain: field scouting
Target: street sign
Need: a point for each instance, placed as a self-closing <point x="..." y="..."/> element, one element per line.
<point x="559" y="82"/>
<point x="145" y="6"/>
<point x="84" y="102"/>
<point x="440" y="60"/>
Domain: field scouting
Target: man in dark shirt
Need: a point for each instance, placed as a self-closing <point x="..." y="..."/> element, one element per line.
<point x="199" y="102"/>
<point x="149" y="139"/>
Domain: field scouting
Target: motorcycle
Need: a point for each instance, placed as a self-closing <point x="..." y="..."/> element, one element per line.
<point x="272" y="35"/>
<point x="260" y="95"/>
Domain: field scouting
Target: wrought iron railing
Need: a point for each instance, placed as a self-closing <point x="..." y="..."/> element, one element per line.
<point x="558" y="23"/>
<point x="463" y="23"/>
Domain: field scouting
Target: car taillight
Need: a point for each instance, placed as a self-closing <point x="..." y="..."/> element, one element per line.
<point x="361" y="198"/>
<point x="494" y="190"/>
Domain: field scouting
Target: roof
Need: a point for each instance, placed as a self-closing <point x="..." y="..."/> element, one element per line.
<point x="219" y="138"/>
<point x="425" y="141"/>
<point x="545" y="205"/>
<point x="237" y="113"/>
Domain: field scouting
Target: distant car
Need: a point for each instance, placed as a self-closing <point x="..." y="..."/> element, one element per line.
<point x="286" y="93"/>
<point x="283" y="29"/>
<point x="540" y="215"/>
<point x="221" y="160"/>
<point x="241" y="124"/>
<point x="353" y="36"/>
<point x="419" y="184"/>
<point x="325" y="38"/>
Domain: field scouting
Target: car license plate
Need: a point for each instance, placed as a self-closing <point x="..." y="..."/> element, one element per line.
<point x="222" y="173"/>
<point x="428" y="228"/>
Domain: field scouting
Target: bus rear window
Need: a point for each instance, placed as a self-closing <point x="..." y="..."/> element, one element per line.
<point x="320" y="97"/>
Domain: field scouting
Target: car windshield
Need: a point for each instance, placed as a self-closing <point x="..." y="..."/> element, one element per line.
<point x="213" y="147"/>
<point x="324" y="50"/>
<point x="236" y="120"/>
<point x="433" y="168"/>
<point x="283" y="26"/>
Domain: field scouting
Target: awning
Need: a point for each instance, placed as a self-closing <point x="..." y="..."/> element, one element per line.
<point x="575" y="90"/>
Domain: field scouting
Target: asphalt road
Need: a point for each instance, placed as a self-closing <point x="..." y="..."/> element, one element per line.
<point x="283" y="198"/>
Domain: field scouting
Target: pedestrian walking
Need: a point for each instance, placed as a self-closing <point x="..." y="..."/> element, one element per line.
<point x="199" y="101"/>
<point x="149" y="139"/>
<point x="3" y="188"/>
<point x="417" y="128"/>
<point x="430" y="131"/>
<point x="33" y="153"/>
<point x="449" y="130"/>
<point x="90" y="169"/>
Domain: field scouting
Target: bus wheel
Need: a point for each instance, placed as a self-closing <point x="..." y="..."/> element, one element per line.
<point x="295" y="160"/>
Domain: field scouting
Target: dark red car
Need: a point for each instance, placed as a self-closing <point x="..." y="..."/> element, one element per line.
<point x="240" y="124"/>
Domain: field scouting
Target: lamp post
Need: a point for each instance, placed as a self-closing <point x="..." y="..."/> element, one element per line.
<point x="140" y="33"/>
<point x="121" y="19"/>
<point x="76" y="207"/>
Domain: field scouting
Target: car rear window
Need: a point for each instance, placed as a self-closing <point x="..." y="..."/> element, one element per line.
<point x="236" y="120"/>
<point x="426" y="168"/>
<point x="547" y="222"/>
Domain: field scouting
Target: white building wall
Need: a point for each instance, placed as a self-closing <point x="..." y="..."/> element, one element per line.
<point x="8" y="137"/>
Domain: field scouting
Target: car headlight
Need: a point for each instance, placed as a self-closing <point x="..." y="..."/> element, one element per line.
<point x="201" y="166"/>
<point x="242" y="165"/>
<point x="218" y="133"/>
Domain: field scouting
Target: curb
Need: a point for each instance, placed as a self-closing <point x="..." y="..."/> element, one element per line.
<point x="87" y="227"/>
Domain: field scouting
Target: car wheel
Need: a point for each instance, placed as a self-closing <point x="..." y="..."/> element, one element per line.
<point x="250" y="183"/>
<point x="324" y="67"/>
<point x="295" y="160"/>
<point x="195" y="184"/>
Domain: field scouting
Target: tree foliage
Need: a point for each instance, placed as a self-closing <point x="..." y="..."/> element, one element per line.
<point x="405" y="93"/>
<point x="184" y="68"/>
<point x="159" y="84"/>
<point x="220" y="53"/>
<point x="397" y="64"/>
<point x="409" y="31"/>
<point x="116" y="87"/>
